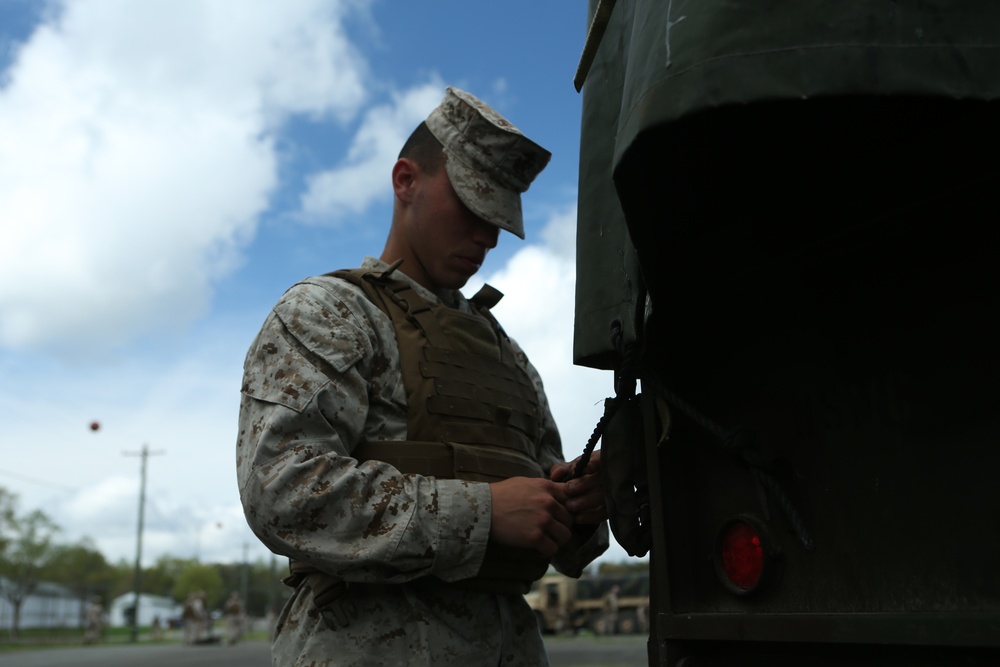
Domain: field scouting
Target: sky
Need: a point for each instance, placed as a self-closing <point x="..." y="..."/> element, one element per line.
<point x="168" y="168"/>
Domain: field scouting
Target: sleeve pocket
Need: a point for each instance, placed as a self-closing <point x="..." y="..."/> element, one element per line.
<point x="301" y="349"/>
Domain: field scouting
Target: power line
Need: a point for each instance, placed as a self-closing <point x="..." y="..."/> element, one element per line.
<point x="31" y="480"/>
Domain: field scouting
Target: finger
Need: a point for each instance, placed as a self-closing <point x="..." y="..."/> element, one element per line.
<point x="563" y="516"/>
<point x="566" y="470"/>
<point x="558" y="491"/>
<point x="560" y="534"/>
<point x="594" y="464"/>
<point x="583" y="485"/>
<point x="593" y="499"/>
<point x="560" y="471"/>
<point x="552" y="537"/>
<point x="592" y="516"/>
<point x="585" y="506"/>
<point x="547" y="546"/>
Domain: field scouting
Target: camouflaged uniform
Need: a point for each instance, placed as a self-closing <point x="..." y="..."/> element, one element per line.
<point x="322" y="377"/>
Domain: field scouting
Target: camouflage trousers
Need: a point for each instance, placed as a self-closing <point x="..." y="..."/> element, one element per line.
<point x="420" y="623"/>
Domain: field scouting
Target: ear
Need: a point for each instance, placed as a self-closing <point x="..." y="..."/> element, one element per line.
<point x="404" y="176"/>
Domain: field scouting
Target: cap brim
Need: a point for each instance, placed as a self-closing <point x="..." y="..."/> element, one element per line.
<point x="484" y="196"/>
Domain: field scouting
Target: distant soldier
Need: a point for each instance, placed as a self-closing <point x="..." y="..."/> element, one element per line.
<point x="191" y="617"/>
<point x="611" y="611"/>
<point x="156" y="629"/>
<point x="642" y="611"/>
<point x="234" y="618"/>
<point x="204" y="619"/>
<point x="94" y="621"/>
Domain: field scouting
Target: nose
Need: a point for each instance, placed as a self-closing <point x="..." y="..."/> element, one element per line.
<point x="485" y="233"/>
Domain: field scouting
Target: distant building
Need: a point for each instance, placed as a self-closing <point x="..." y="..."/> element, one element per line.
<point x="150" y="606"/>
<point x="49" y="606"/>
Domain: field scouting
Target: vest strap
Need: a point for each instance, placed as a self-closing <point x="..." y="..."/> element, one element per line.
<point x="449" y="460"/>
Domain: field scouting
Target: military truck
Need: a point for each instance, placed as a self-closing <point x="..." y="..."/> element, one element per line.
<point x="562" y="604"/>
<point x="787" y="257"/>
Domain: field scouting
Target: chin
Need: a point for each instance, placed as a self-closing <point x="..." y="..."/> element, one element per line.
<point x="454" y="281"/>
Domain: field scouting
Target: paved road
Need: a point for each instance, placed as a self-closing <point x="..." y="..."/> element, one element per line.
<point x="246" y="654"/>
<point x="563" y="652"/>
<point x="623" y="651"/>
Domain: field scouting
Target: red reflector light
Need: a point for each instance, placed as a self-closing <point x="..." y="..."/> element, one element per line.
<point x="742" y="555"/>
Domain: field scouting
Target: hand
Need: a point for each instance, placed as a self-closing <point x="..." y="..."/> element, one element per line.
<point x="585" y="495"/>
<point x="530" y="512"/>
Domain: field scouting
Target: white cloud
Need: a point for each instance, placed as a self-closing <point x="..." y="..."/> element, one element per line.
<point x="184" y="408"/>
<point x="559" y="237"/>
<point x="363" y="178"/>
<point x="136" y="152"/>
<point x="106" y="499"/>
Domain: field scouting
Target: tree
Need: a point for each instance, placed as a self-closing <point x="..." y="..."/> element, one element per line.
<point x="264" y="589"/>
<point x="162" y="577"/>
<point x="24" y="551"/>
<point x="197" y="577"/>
<point x="7" y="505"/>
<point x="124" y="578"/>
<point x="83" y="569"/>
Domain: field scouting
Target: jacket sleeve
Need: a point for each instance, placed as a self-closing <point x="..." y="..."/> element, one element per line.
<point x="317" y="381"/>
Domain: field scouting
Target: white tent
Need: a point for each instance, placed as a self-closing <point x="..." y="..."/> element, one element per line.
<point x="150" y="606"/>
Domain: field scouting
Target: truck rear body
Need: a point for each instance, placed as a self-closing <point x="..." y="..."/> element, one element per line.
<point x="793" y="217"/>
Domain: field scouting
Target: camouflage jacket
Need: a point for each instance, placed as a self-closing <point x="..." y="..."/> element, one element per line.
<point x="322" y="376"/>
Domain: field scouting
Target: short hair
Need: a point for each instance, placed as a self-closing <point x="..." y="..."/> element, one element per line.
<point x="424" y="148"/>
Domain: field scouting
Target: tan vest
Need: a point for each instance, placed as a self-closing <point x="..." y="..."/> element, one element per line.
<point x="473" y="412"/>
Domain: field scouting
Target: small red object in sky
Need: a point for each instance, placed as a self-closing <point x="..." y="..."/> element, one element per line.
<point x="95" y="426"/>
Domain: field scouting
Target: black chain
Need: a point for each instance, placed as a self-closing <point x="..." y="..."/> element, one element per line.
<point x="624" y="388"/>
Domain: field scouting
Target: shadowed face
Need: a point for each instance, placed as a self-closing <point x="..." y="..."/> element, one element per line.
<point x="441" y="241"/>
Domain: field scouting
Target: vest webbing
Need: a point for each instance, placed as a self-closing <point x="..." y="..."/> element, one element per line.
<point x="473" y="414"/>
<point x="461" y="380"/>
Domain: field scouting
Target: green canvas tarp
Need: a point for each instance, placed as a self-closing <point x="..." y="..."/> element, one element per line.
<point x="707" y="107"/>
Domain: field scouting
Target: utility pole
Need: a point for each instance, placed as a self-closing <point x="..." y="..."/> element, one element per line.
<point x="145" y="453"/>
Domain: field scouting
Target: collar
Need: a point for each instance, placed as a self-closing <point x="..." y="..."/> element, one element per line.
<point x="452" y="298"/>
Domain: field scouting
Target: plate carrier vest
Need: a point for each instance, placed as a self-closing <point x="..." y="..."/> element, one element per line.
<point x="473" y="414"/>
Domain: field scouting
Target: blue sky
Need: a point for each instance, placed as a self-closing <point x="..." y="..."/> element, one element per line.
<point x="169" y="168"/>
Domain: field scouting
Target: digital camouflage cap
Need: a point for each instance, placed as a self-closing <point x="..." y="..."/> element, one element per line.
<point x="489" y="161"/>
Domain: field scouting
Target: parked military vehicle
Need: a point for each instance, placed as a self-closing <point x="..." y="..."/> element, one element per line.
<point x="562" y="604"/>
<point x="788" y="255"/>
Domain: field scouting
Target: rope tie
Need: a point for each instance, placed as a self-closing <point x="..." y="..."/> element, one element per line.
<point x="744" y="445"/>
